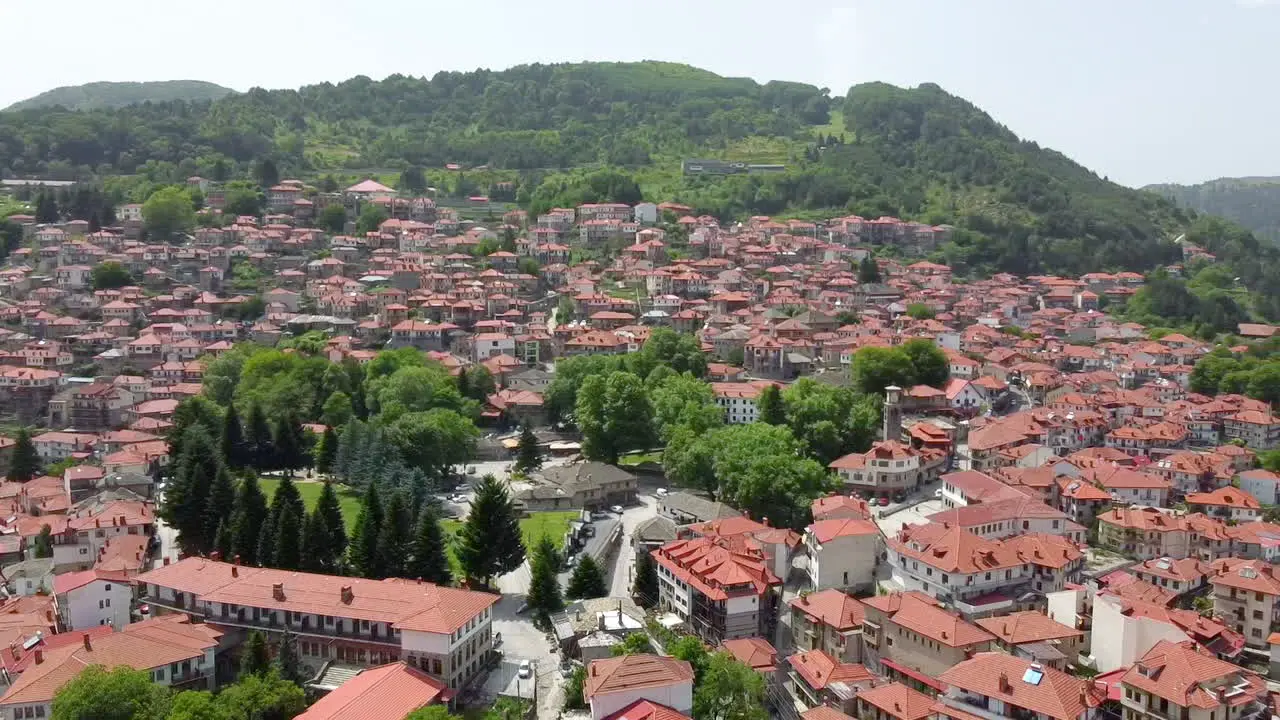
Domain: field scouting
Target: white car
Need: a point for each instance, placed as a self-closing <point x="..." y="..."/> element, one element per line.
<point x="526" y="669"/>
<point x="661" y="492"/>
<point x="616" y="509"/>
<point x="937" y="493"/>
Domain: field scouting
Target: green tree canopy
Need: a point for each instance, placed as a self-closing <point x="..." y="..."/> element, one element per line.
<point x="489" y="543"/>
<point x="119" y="694"/>
<point x="168" y="214"/>
<point x="109" y="275"/>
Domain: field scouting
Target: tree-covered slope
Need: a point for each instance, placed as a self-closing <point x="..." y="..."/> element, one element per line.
<point x="582" y="132"/>
<point x="1251" y="201"/>
<point x="99" y="95"/>
<point x="531" y="116"/>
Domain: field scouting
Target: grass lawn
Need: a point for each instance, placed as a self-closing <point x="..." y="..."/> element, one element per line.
<point x="555" y="524"/>
<point x="348" y="499"/>
<point x="640" y="459"/>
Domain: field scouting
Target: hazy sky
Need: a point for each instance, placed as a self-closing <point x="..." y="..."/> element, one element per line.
<point x="1140" y="90"/>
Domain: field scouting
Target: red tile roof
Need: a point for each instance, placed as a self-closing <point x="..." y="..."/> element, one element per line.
<point x="1000" y="676"/>
<point x="1191" y="679"/>
<point x="640" y="710"/>
<point x="899" y="701"/>
<point x="634" y="672"/>
<point x="832" y="608"/>
<point x="754" y="652"/>
<point x="406" y="604"/>
<point x="380" y="693"/>
<point x="818" y="670"/>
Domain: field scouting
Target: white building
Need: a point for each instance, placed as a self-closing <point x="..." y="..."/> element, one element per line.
<point x="843" y="553"/>
<point x="739" y="400"/>
<point x="90" y="598"/>
<point x="1261" y="484"/>
<point x="613" y="684"/>
<point x="646" y="213"/>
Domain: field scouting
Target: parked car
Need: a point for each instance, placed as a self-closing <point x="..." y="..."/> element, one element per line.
<point x="526" y="669"/>
<point x="883" y="502"/>
<point x="937" y="493"/>
<point x="616" y="509"/>
<point x="661" y="492"/>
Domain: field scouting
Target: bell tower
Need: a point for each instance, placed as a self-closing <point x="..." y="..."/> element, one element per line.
<point x="892" y="412"/>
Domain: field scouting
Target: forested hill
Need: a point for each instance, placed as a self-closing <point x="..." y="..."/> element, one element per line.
<point x="618" y="131"/>
<point x="1251" y="201"/>
<point x="97" y="95"/>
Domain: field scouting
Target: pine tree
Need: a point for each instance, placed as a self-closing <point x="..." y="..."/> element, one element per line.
<point x="645" y="587"/>
<point x="287" y="495"/>
<point x="315" y="545"/>
<point x="289" y="444"/>
<point x="25" y="461"/>
<point x="184" y="503"/>
<point x="287" y="663"/>
<point x="222" y="540"/>
<point x="248" y="515"/>
<point x="288" y="552"/>
<point x="587" y="580"/>
<point x="326" y="452"/>
<point x="544" y="596"/>
<point x="395" y="535"/>
<point x="259" y="440"/>
<point x="429" y="559"/>
<point x="266" y="552"/>
<point x="489" y="544"/>
<point x="335" y="527"/>
<point x="255" y="658"/>
<point x="772" y="411"/>
<point x="218" y="505"/>
<point x="868" y="271"/>
<point x="364" y="547"/>
<point x="528" y="458"/>
<point x="235" y="451"/>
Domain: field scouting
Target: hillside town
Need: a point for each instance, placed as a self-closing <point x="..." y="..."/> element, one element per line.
<point x="1051" y="524"/>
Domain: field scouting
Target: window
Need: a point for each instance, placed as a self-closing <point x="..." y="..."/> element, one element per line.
<point x="108" y="587"/>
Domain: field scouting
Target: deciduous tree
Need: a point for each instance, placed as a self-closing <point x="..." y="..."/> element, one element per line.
<point x="118" y="694"/>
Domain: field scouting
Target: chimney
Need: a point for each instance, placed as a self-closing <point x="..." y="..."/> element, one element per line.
<point x="215" y="556"/>
<point x="277" y="591"/>
<point x="1005" y="687"/>
<point x="87" y="644"/>
<point x="39" y="656"/>
<point x="347" y="595"/>
<point x="235" y="571"/>
<point x="235" y="559"/>
<point x="166" y="561"/>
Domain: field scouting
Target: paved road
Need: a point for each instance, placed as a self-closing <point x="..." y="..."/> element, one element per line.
<point x="624" y="564"/>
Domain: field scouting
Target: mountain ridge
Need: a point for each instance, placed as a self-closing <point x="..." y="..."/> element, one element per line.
<point x="106" y="94"/>
<point x="589" y="132"/>
<point x="1252" y="201"/>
